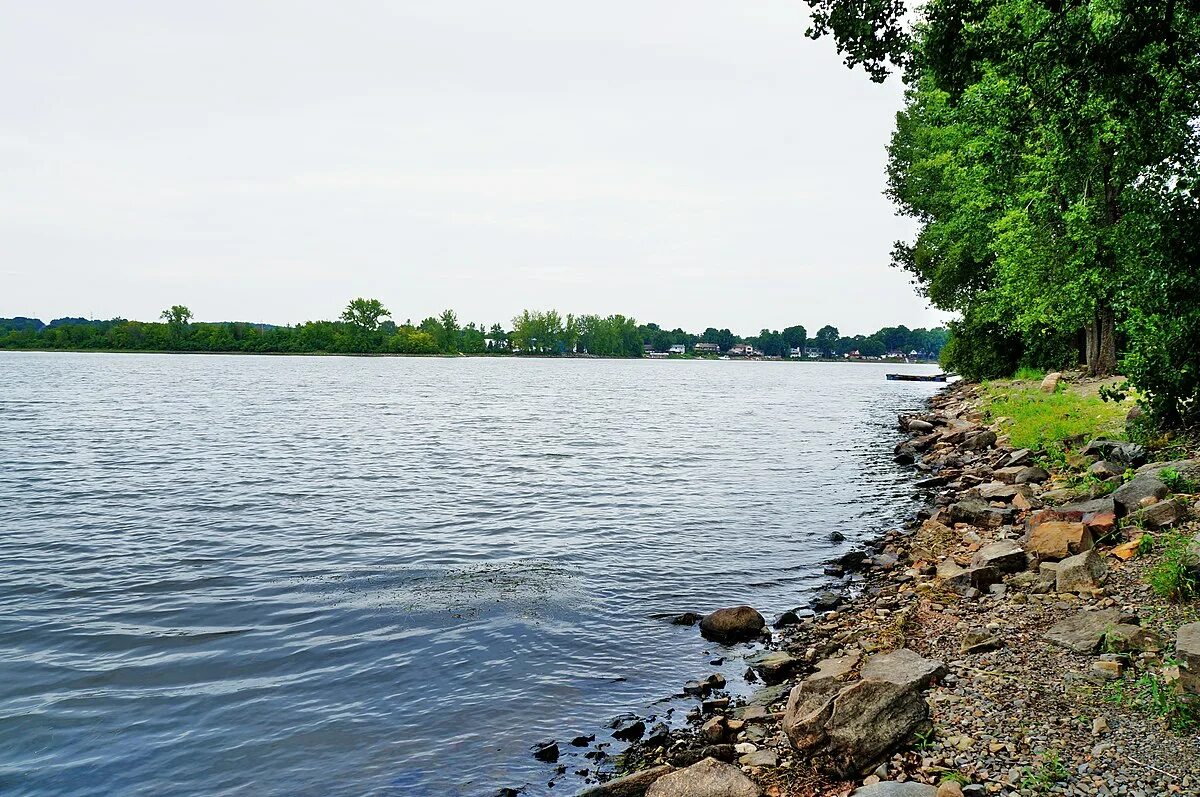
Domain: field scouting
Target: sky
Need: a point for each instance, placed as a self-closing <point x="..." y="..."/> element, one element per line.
<point x="694" y="163"/>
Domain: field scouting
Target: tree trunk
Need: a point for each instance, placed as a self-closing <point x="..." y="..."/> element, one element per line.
<point x="1101" y="343"/>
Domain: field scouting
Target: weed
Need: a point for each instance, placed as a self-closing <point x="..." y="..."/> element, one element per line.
<point x="1145" y="544"/>
<point x="1029" y="375"/>
<point x="1175" y="481"/>
<point x="1180" y="713"/>
<point x="955" y="777"/>
<point x="1051" y="771"/>
<point x="1175" y="575"/>
<point x="925" y="739"/>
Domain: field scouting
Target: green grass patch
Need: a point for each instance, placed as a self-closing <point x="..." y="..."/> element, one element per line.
<point x="1173" y="576"/>
<point x="1029" y="375"/>
<point x="1040" y="420"/>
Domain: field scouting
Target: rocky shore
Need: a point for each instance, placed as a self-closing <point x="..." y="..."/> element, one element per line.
<point x="1005" y="642"/>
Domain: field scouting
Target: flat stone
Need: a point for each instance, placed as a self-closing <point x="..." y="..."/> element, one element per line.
<point x="1085" y="631"/>
<point x="634" y="785"/>
<point x="976" y="512"/>
<point x="1116" y="450"/>
<point x="1160" y="515"/>
<point x="1132" y="638"/>
<point x="1004" y="555"/>
<point x="759" y="758"/>
<point x="998" y="491"/>
<point x="775" y="666"/>
<point x="1089" y="507"/>
<point x="708" y="778"/>
<point x="1106" y="469"/>
<point x="903" y="667"/>
<point x="1032" y="474"/>
<point x="891" y="788"/>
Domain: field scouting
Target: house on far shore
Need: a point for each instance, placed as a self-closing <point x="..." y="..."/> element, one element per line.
<point x="744" y="350"/>
<point x="656" y="355"/>
<point x="706" y="348"/>
<point x="796" y="353"/>
<point x="854" y="355"/>
<point x="812" y="353"/>
<point x="678" y="348"/>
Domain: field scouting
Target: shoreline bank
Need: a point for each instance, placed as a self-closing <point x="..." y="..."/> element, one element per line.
<point x="1005" y="641"/>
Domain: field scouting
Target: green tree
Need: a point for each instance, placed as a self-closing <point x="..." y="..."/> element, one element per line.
<point x="827" y="340"/>
<point x="448" y="334"/>
<point x="177" y="316"/>
<point x="365" y="313"/>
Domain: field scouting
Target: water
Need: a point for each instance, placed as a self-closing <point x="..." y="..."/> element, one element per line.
<point x="353" y="576"/>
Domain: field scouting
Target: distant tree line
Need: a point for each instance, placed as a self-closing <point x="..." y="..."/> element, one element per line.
<point x="366" y="327"/>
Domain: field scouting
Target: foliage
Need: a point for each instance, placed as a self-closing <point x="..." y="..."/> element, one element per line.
<point x="1050" y="154"/>
<point x="1037" y="420"/>
<point x="1149" y="693"/>
<point x="1049" y="772"/>
<point x="365" y="313"/>
<point x="1174" y="576"/>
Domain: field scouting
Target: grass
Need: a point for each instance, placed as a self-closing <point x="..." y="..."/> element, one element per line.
<point x="1042" y="778"/>
<point x="1174" y="576"/>
<point x="1039" y="420"/>
<point x="1029" y="375"/>
<point x="1151" y="694"/>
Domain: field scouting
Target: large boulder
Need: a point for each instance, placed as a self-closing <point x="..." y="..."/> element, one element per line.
<point x="708" y="778"/>
<point x="846" y="729"/>
<point x="1187" y="651"/>
<point x="732" y="624"/>
<point x="1129" y="496"/>
<point x="1050" y="382"/>
<point x="634" y="785"/>
<point x="1085" y="631"/>
<point x="978" y="441"/>
<point x="1058" y="539"/>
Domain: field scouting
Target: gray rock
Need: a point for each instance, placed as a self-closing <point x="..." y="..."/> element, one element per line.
<point x="1116" y="450"/>
<point x="978" y="441"/>
<point x="733" y="624"/>
<point x="759" y="758"/>
<point x="1160" y="515"/>
<point x="846" y="729"/>
<point x="918" y="425"/>
<point x="1085" y="631"/>
<point x="824" y="601"/>
<point x="775" y="666"/>
<point x="1106" y="469"/>
<point x="1080" y="573"/>
<point x="634" y="785"/>
<point x="1128" y="497"/>
<point x="1132" y="638"/>
<point x="1032" y="475"/>
<point x="999" y="491"/>
<point x="1050" y="382"/>
<point x="708" y="778"/>
<point x="891" y="788"/>
<point x="1188" y="469"/>
<point x="975" y="512"/>
<point x="1022" y="456"/>
<point x="1004" y="555"/>
<point x="1091" y="506"/>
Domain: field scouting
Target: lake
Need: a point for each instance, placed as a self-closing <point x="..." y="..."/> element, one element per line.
<point x="224" y="575"/>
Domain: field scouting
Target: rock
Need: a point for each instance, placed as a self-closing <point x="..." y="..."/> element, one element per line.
<point x="998" y="491"/>
<point x="837" y="536"/>
<point x="1187" y="651"/>
<point x="847" y="728"/>
<point x="1188" y="469"/>
<point x="1131" y="638"/>
<point x="975" y="512"/>
<point x="687" y="618"/>
<point x="1004" y="555"/>
<point x="1058" y="539"/>
<point x="1116" y="450"/>
<point x="583" y="741"/>
<point x="905" y="453"/>
<point x="978" y="441"/>
<point x="1022" y="456"/>
<point x="1128" y="497"/>
<point x="713" y="731"/>
<point x="775" y="666"/>
<point x="949" y="789"/>
<point x="708" y="778"/>
<point x="734" y="624"/>
<point x="1051" y="381"/>
<point x="1160" y="515"/>
<point x="1007" y="475"/>
<point x="546" y="751"/>
<point x="759" y="758"/>
<point x="1084" y="632"/>
<point x="980" y="642"/>
<point x="1106" y="469"/>
<point x="633" y="785"/>
<point x="1101" y="525"/>
<point x="1032" y="475"/>
<point x="1078" y="509"/>
<point x="892" y="788"/>
<point x="918" y="425"/>
<point x="1080" y="573"/>
<point x="824" y="601"/>
<point x="627" y="727"/>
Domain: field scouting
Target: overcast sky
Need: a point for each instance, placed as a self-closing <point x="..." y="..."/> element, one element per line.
<point x="693" y="163"/>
